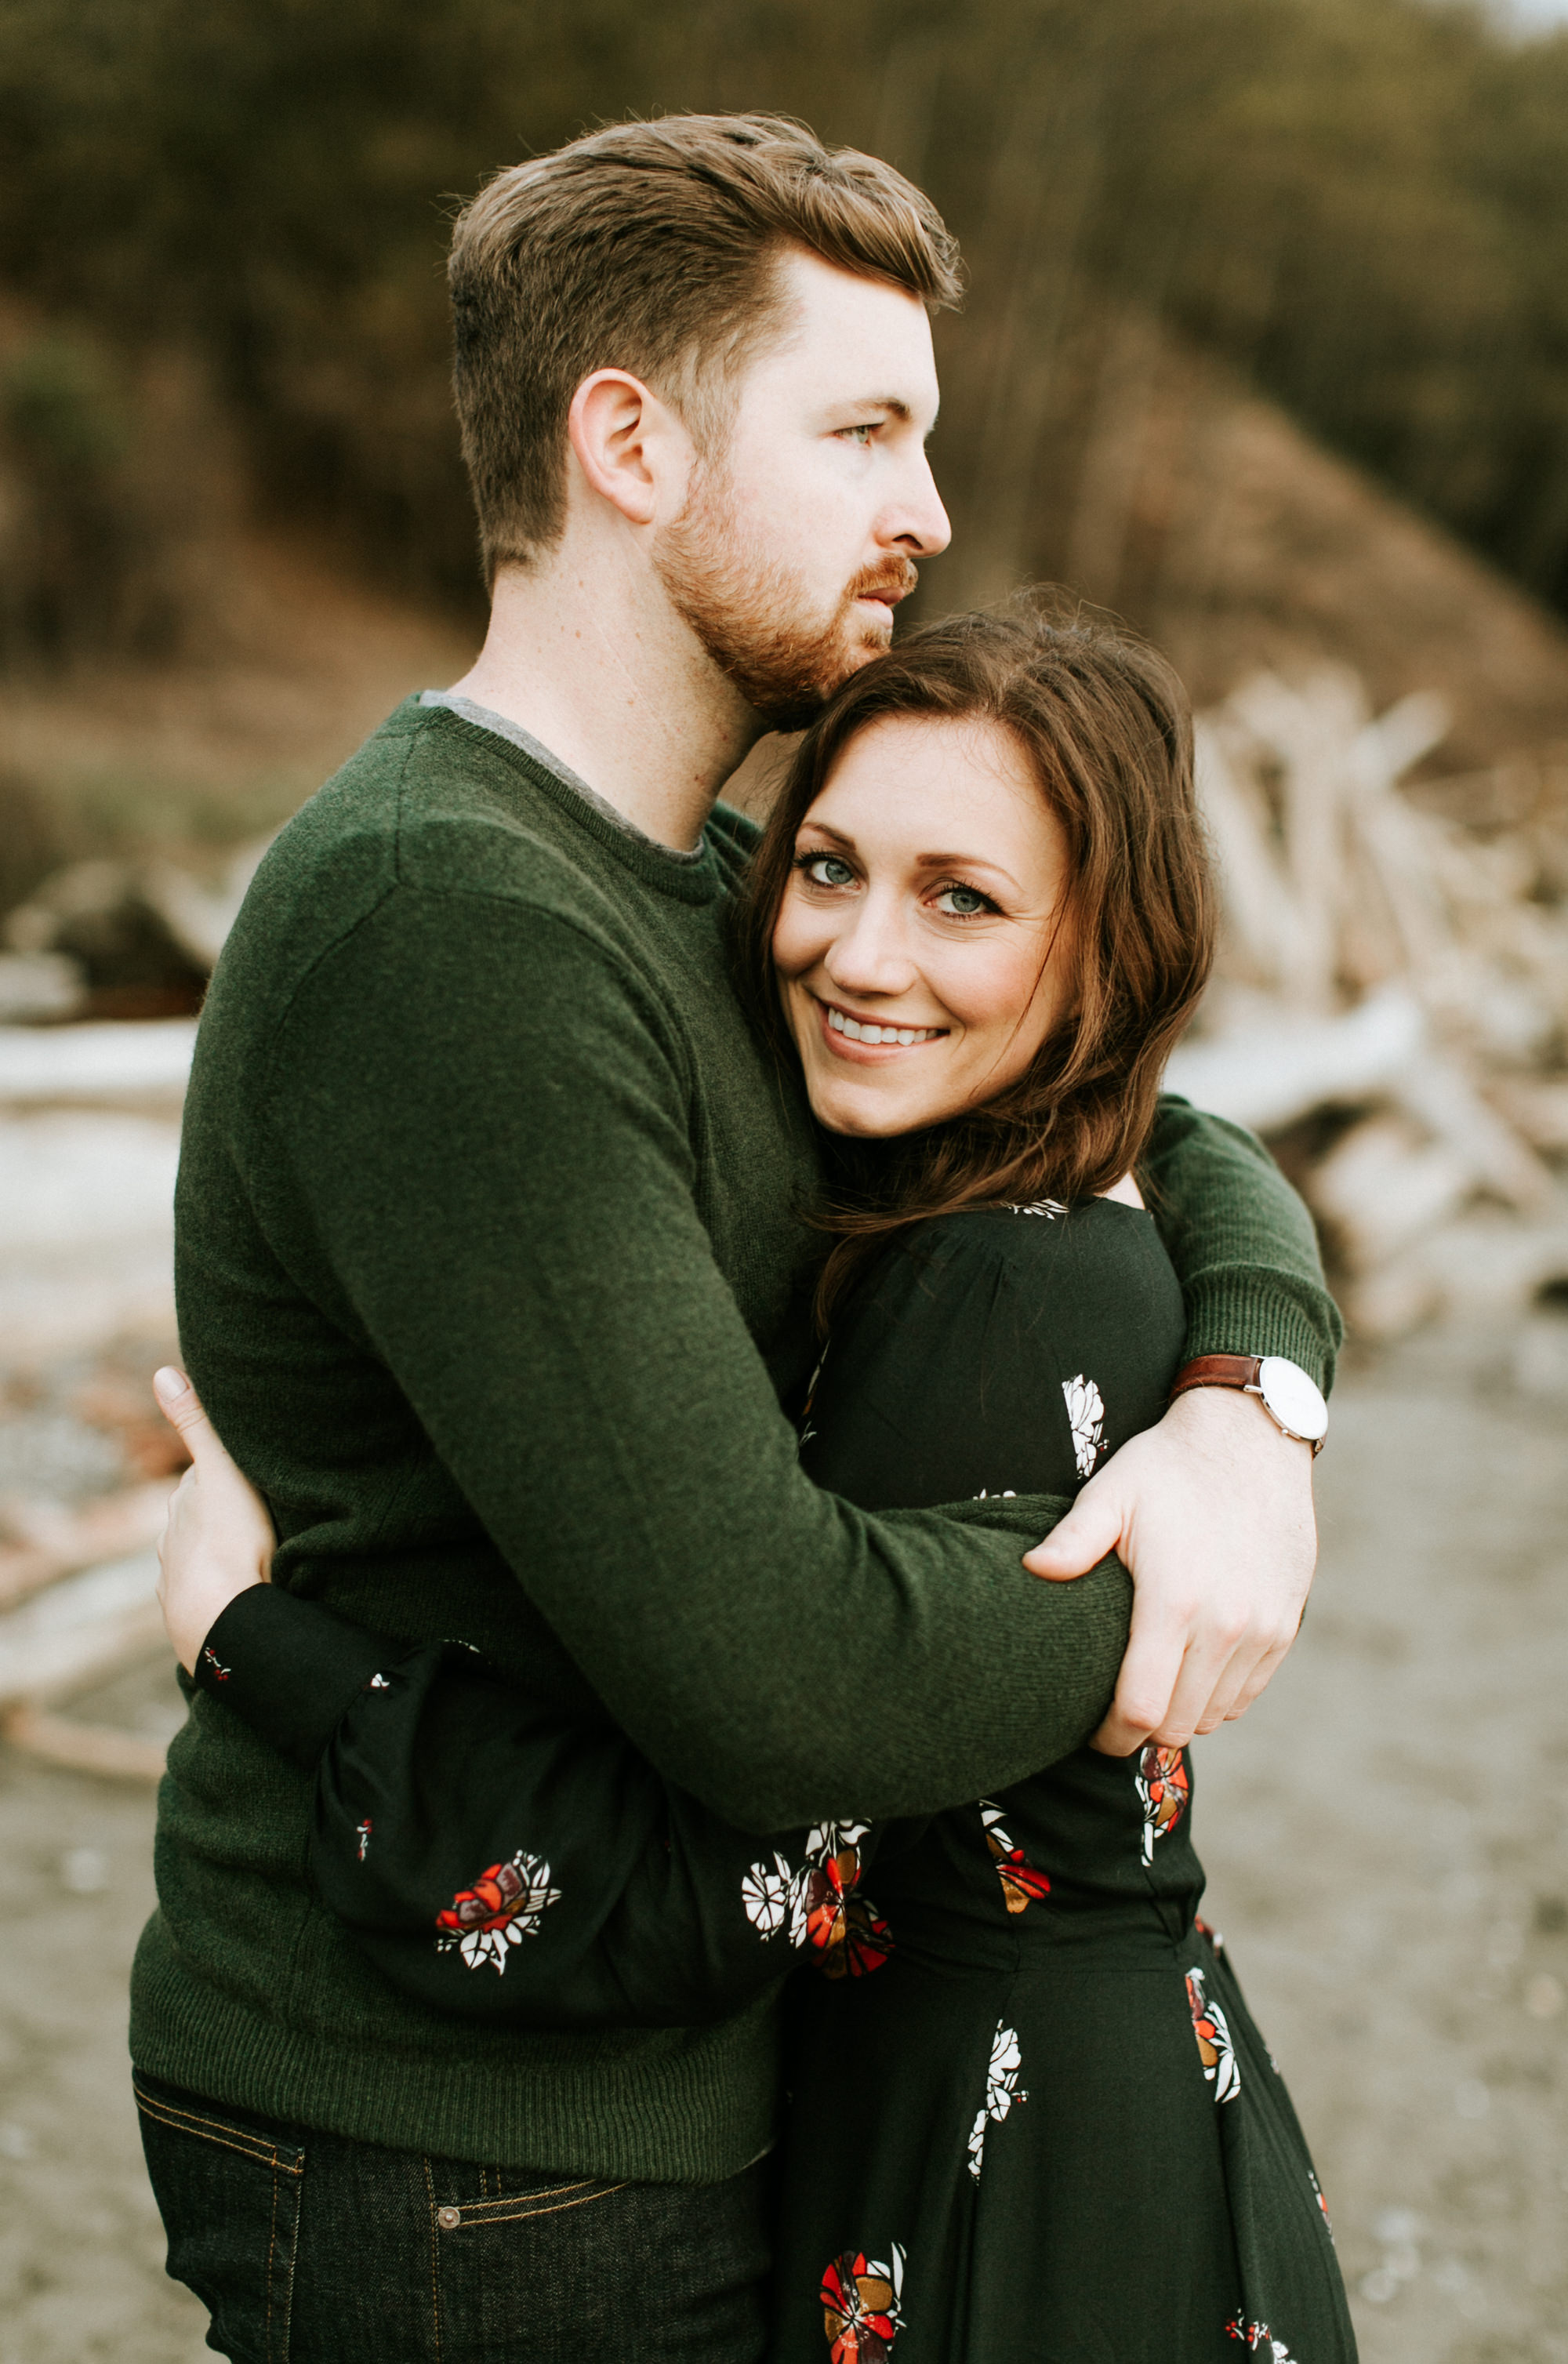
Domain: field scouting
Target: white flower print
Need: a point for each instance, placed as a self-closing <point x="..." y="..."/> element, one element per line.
<point x="765" y="1892"/>
<point x="1050" y="1207"/>
<point x="1002" y="2090"/>
<point x="1087" y="1418"/>
<point x="773" y="1894"/>
<point x="504" y="1905"/>
<point x="821" y="1904"/>
<point x="1220" y="2066"/>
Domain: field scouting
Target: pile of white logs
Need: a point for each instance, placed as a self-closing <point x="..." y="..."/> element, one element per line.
<point x="1391" y="1003"/>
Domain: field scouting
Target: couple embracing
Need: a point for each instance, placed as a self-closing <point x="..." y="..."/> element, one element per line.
<point x="663" y="1861"/>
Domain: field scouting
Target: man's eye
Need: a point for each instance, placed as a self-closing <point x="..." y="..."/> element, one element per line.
<point x="860" y="435"/>
<point x="827" y="870"/>
<point x="963" y="902"/>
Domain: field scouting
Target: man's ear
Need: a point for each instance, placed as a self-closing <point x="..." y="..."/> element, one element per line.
<point x="628" y="444"/>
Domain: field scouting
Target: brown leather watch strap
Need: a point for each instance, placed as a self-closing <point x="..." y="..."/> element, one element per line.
<point x="1217" y="1371"/>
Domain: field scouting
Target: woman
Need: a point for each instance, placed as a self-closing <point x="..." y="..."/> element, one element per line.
<point x="1030" y="2114"/>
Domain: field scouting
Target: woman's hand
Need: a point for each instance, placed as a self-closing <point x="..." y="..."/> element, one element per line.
<point x="219" y="1539"/>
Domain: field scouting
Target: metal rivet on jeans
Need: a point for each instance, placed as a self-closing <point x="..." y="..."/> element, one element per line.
<point x="449" y="2219"/>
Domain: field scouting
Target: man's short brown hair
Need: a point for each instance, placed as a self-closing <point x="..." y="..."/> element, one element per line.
<point x="652" y="248"/>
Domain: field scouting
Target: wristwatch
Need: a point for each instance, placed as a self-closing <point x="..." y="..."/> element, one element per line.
<point x="1292" y="1401"/>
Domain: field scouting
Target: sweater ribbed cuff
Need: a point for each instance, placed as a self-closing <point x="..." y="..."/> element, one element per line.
<point x="290" y="1668"/>
<point x="1264" y="1312"/>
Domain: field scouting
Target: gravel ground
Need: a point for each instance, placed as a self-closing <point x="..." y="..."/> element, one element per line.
<point x="1389" y="1862"/>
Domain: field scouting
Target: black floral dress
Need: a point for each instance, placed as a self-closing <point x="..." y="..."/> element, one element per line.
<point x="1029" y="2115"/>
<point x="1038" y="2121"/>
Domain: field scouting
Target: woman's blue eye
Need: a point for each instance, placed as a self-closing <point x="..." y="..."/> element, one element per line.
<point x="827" y="870"/>
<point x="963" y="902"/>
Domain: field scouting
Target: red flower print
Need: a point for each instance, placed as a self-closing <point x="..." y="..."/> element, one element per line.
<point x="220" y="1674"/>
<point x="1163" y="1788"/>
<point x="822" y="1903"/>
<point x="504" y="1905"/>
<point x="861" y="2311"/>
<point x="1221" y="2066"/>
<point x="1021" y="1883"/>
<point x="1258" y="2339"/>
<point x="363" y="1832"/>
<point x="844" y="1929"/>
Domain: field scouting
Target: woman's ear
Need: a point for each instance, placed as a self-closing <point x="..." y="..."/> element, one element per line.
<point x="632" y="448"/>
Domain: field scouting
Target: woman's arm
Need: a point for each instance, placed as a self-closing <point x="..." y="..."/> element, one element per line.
<point x="501" y="1862"/>
<point x="494" y="1858"/>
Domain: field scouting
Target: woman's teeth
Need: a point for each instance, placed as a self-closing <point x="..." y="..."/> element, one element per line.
<point x="858" y="1032"/>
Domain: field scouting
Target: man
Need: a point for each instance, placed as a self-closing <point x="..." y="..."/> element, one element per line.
<point x="490" y="1265"/>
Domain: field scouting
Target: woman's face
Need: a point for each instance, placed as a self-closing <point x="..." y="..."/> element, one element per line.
<point x="919" y="955"/>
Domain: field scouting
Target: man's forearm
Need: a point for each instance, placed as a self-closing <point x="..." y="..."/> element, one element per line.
<point x="547" y="1297"/>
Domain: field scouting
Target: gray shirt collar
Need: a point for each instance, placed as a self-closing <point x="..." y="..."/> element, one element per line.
<point x="504" y="726"/>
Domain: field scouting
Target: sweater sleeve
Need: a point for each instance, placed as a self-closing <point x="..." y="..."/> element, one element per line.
<point x="505" y="1207"/>
<point x="1241" y="1241"/>
<point x="498" y="1857"/>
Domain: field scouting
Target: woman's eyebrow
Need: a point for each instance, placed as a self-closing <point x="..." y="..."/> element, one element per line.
<point x="822" y="830"/>
<point x="965" y="862"/>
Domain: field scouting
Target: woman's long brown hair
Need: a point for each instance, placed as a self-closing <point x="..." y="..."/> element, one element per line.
<point x="1107" y="728"/>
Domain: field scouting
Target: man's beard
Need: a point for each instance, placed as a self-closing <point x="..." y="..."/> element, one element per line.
<point x="752" y="617"/>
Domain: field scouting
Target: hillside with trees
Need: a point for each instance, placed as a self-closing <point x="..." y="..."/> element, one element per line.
<point x="1359" y="205"/>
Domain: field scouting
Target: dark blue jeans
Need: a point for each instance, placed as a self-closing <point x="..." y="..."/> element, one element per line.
<point x="310" y="2249"/>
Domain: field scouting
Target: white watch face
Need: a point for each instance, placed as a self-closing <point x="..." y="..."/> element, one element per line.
<point x="1292" y="1399"/>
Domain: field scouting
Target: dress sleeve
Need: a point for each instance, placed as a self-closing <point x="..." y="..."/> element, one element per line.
<point x="505" y="1862"/>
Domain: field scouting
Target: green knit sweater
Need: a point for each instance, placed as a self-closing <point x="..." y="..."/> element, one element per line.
<point x="490" y="1254"/>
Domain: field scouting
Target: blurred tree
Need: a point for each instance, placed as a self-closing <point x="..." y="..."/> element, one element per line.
<point x="1362" y="203"/>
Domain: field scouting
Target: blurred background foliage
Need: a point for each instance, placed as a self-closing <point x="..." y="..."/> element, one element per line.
<point x="1361" y="205"/>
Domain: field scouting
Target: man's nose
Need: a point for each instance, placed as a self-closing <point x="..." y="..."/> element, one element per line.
<point x="919" y="524"/>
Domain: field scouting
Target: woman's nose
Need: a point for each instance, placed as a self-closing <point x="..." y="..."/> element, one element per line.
<point x="870" y="957"/>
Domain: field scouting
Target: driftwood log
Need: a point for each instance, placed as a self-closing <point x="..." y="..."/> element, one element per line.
<point x="1401" y="977"/>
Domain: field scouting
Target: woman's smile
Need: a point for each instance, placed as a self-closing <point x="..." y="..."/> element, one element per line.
<point x="853" y="1035"/>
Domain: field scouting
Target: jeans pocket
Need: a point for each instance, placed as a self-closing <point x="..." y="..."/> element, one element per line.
<point x="229" y="2193"/>
<point x="556" y="2267"/>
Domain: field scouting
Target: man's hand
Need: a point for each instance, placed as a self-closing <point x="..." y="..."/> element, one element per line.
<point x="1212" y="1513"/>
<point x="219" y="1539"/>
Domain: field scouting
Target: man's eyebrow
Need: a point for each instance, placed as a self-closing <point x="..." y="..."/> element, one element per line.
<point x="894" y="404"/>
